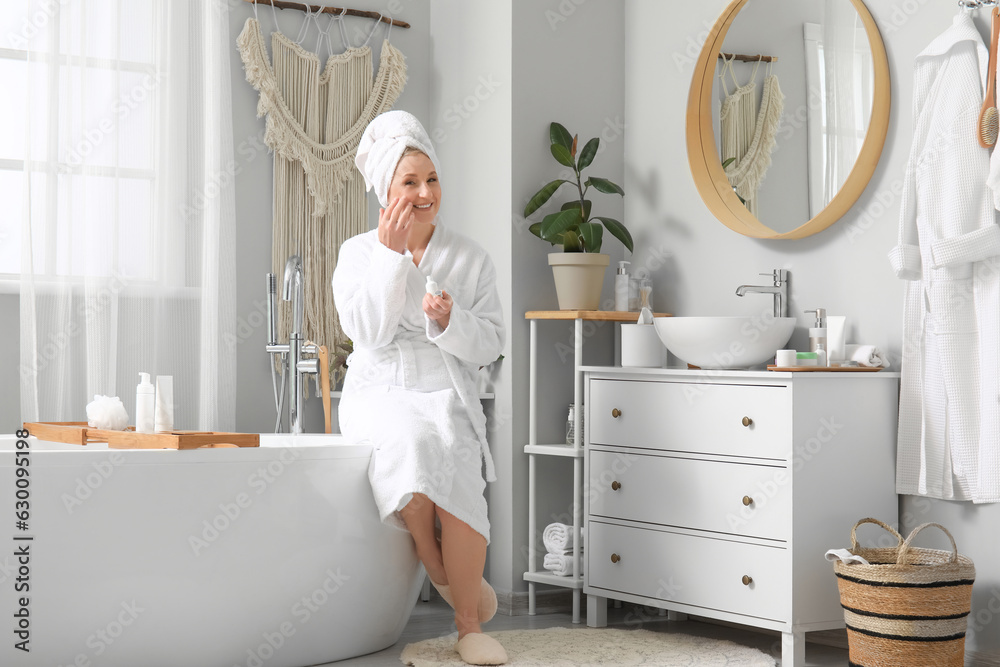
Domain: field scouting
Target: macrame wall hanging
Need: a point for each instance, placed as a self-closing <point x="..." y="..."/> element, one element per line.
<point x="748" y="134"/>
<point x="315" y="119"/>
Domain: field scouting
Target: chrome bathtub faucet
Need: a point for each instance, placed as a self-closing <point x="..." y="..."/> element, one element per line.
<point x="779" y="290"/>
<point x="297" y="367"/>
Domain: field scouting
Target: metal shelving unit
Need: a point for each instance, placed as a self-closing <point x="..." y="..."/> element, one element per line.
<point x="575" y="451"/>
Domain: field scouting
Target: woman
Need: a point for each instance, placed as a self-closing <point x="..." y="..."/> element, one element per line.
<point x="411" y="386"/>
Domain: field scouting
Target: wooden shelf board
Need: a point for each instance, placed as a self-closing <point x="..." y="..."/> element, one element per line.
<point x="594" y="315"/>
<point x="554" y="579"/>
<point x="555" y="450"/>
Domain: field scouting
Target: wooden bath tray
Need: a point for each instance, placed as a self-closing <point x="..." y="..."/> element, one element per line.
<point x="78" y="433"/>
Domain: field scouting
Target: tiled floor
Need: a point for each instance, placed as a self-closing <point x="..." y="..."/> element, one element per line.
<point x="434" y="618"/>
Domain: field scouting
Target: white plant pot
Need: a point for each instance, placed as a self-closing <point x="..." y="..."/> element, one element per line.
<point x="579" y="278"/>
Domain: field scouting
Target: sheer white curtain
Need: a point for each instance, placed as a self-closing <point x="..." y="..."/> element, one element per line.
<point x="127" y="211"/>
<point x="849" y="85"/>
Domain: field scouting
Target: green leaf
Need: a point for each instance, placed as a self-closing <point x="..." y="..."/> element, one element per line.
<point x="559" y="222"/>
<point x="605" y="186"/>
<point x="536" y="229"/>
<point x="588" y="153"/>
<point x="576" y="204"/>
<point x="542" y="196"/>
<point x="618" y="230"/>
<point x="571" y="242"/>
<point x="562" y="155"/>
<point x="592" y="234"/>
<point x="728" y="162"/>
<point x="561" y="136"/>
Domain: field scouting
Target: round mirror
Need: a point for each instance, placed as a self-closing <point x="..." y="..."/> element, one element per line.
<point x="787" y="114"/>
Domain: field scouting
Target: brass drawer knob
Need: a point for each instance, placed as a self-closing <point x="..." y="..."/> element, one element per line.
<point x="747" y="501"/>
<point x="747" y="580"/>
<point x="747" y="421"/>
<point x="615" y="558"/>
<point x="616" y="413"/>
<point x="616" y="485"/>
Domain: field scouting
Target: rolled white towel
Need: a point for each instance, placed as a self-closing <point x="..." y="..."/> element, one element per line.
<point x="866" y="355"/>
<point x="560" y="564"/>
<point x="558" y="538"/>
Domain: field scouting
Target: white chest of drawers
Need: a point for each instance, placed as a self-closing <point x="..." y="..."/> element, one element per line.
<point x="716" y="493"/>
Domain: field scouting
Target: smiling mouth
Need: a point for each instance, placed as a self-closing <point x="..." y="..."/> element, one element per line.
<point x="424" y="207"/>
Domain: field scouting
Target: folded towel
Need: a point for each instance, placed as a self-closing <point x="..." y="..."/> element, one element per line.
<point x="866" y="355"/>
<point x="845" y="556"/>
<point x="558" y="538"/>
<point x="560" y="564"/>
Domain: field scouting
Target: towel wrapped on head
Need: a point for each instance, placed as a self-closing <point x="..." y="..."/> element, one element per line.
<point x="382" y="146"/>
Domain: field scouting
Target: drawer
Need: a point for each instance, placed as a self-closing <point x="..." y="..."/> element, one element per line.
<point x="692" y="493"/>
<point x="692" y="417"/>
<point x="699" y="571"/>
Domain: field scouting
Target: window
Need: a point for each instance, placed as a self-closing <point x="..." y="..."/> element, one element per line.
<point x="78" y="149"/>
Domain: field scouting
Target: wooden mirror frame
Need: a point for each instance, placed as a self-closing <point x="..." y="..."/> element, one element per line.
<point x="706" y="166"/>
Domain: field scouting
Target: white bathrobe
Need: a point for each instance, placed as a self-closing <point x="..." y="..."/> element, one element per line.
<point x="949" y="254"/>
<point x="411" y="388"/>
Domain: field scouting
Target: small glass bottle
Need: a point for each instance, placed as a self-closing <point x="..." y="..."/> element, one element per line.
<point x="571" y="426"/>
<point x="633" y="295"/>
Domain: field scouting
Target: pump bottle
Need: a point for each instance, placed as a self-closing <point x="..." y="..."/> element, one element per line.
<point x="621" y="287"/>
<point x="817" y="336"/>
<point x="144" y="405"/>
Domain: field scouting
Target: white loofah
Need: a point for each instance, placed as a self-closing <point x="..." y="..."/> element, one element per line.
<point x="107" y="412"/>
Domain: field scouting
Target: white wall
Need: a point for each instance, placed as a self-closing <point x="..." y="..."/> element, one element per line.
<point x="469" y="122"/>
<point x="512" y="67"/>
<point x="697" y="262"/>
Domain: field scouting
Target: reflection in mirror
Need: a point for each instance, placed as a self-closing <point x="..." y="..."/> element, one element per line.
<point x="813" y="58"/>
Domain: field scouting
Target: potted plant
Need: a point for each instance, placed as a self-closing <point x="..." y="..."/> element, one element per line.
<point x="579" y="269"/>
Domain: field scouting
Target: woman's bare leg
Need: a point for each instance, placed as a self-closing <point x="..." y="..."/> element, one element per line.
<point x="463" y="553"/>
<point x="419" y="515"/>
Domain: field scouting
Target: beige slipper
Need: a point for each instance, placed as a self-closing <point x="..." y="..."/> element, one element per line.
<point x="487" y="599"/>
<point x="477" y="648"/>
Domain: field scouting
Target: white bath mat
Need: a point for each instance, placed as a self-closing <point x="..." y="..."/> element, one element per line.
<point x="580" y="647"/>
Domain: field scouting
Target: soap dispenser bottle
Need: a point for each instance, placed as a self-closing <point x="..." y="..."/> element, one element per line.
<point x="817" y="336"/>
<point x="144" y="405"/>
<point x="621" y="287"/>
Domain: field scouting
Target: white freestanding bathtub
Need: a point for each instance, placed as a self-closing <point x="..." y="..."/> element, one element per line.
<point x="253" y="557"/>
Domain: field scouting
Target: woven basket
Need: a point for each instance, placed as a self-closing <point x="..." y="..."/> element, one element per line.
<point x="910" y="606"/>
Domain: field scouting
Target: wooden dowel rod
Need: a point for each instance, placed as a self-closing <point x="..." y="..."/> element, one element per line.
<point x="740" y="56"/>
<point x="284" y="4"/>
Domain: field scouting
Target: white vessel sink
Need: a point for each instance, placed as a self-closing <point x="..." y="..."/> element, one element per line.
<point x="724" y="342"/>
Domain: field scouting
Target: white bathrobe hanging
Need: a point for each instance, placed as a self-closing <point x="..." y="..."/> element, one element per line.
<point x="949" y="254"/>
<point x="411" y="389"/>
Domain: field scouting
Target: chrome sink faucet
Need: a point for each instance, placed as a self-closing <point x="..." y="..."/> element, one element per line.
<point x="779" y="290"/>
<point x="293" y="290"/>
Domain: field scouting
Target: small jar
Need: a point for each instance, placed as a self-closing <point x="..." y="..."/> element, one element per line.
<point x="571" y="425"/>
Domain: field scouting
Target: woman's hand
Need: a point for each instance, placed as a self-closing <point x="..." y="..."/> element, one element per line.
<point x="438" y="308"/>
<point x="394" y="224"/>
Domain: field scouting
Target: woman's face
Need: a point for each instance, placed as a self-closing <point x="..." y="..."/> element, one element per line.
<point x="416" y="181"/>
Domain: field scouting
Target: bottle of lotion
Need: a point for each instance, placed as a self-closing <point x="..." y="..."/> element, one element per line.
<point x="144" y="405"/>
<point x="432" y="287"/>
<point x="621" y="287"/>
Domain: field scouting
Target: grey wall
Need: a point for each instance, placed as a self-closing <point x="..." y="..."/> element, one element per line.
<point x="566" y="69"/>
<point x="255" y="410"/>
<point x="699" y="262"/>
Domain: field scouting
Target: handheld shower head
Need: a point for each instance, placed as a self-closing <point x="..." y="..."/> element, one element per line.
<point x="293" y="273"/>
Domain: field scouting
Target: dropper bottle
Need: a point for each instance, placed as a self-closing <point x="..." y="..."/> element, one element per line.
<point x="432" y="287"/>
